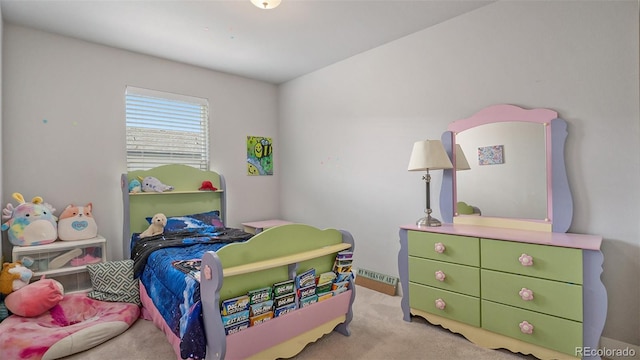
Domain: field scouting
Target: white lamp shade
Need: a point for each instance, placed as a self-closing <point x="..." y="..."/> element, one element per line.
<point x="461" y="160"/>
<point x="429" y="155"/>
<point x="266" y="4"/>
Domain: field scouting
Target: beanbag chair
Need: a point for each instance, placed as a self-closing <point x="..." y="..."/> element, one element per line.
<point x="75" y="324"/>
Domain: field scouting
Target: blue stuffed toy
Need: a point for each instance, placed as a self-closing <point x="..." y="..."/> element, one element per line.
<point x="135" y="186"/>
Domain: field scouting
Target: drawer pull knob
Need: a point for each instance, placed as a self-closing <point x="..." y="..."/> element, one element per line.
<point x="440" y="276"/>
<point x="439" y="247"/>
<point x="526" y="328"/>
<point x="440" y="304"/>
<point x="526" y="294"/>
<point x="526" y="260"/>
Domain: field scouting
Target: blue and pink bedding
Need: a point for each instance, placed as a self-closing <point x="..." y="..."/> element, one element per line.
<point x="176" y="295"/>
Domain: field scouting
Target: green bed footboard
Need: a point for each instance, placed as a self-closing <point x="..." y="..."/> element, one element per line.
<point x="274" y="255"/>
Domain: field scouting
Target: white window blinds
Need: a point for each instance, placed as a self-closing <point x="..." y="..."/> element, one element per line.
<point x="165" y="128"/>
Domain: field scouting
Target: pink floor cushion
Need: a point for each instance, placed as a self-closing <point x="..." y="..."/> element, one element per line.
<point x="76" y="324"/>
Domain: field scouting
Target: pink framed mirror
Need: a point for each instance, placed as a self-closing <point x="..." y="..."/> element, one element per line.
<point x="514" y="172"/>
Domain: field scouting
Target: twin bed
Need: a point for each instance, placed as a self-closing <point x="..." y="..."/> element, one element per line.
<point x="232" y="263"/>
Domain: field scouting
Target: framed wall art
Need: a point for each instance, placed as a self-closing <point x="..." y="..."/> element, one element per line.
<point x="491" y="155"/>
<point x="259" y="156"/>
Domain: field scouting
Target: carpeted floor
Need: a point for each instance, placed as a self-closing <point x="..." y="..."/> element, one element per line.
<point x="377" y="333"/>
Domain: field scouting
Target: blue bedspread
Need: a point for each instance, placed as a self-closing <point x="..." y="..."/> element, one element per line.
<point x="175" y="294"/>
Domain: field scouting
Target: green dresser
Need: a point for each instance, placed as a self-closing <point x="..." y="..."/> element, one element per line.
<point x="517" y="294"/>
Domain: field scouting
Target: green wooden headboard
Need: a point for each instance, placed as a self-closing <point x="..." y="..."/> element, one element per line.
<point x="183" y="200"/>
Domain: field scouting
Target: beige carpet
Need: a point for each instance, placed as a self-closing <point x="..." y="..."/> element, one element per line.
<point x="377" y="333"/>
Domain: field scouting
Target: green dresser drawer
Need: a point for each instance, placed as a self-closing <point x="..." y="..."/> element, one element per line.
<point x="549" y="262"/>
<point x="549" y="297"/>
<point x="456" y="249"/>
<point x="459" y="307"/>
<point x="459" y="278"/>
<point x="550" y="332"/>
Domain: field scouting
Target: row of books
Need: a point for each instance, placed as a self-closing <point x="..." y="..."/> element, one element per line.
<point x="307" y="288"/>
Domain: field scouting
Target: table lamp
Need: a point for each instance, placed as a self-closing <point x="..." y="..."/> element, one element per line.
<point x="428" y="155"/>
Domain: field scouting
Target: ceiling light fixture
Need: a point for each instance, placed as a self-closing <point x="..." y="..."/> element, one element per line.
<point x="266" y="4"/>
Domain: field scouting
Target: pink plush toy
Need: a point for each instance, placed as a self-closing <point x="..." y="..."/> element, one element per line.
<point x="36" y="298"/>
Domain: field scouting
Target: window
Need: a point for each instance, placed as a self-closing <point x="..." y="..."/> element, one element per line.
<point x="165" y="128"/>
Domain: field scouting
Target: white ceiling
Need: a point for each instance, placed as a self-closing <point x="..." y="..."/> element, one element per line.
<point x="234" y="36"/>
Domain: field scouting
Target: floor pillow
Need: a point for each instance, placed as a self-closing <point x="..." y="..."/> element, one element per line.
<point x="76" y="324"/>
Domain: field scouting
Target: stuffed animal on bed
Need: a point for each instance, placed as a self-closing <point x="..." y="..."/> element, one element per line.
<point x="30" y="223"/>
<point x="15" y="275"/>
<point x="158" y="222"/>
<point x="77" y="223"/>
<point x="152" y="184"/>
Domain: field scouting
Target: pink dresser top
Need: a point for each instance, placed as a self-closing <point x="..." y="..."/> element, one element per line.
<point x="579" y="241"/>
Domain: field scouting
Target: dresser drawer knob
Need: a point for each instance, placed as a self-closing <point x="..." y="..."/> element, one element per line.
<point x="526" y="260"/>
<point x="526" y="328"/>
<point x="440" y="276"/>
<point x="439" y="247"/>
<point x="440" y="304"/>
<point x="526" y="294"/>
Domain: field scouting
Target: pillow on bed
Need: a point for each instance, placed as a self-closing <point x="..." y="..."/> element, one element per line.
<point x="113" y="281"/>
<point x="207" y="221"/>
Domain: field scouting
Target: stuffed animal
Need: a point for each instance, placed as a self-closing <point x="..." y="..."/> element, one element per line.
<point x="77" y="223"/>
<point x="135" y="186"/>
<point x="208" y="186"/>
<point x="30" y="223"/>
<point x="158" y="222"/>
<point x="36" y="298"/>
<point x="152" y="184"/>
<point x="15" y="275"/>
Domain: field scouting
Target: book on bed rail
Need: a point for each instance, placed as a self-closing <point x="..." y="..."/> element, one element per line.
<point x="189" y="267"/>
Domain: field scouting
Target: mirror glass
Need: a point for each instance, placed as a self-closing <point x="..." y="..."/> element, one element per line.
<point x="507" y="175"/>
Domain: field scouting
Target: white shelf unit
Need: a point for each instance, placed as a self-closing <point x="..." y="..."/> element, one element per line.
<point x="54" y="260"/>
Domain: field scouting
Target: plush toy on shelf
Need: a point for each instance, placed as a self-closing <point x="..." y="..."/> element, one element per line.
<point x="77" y="223"/>
<point x="152" y="184"/>
<point x="207" y="186"/>
<point x="135" y="186"/>
<point x="158" y="222"/>
<point x="30" y="223"/>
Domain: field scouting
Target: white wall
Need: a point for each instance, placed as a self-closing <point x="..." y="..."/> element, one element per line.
<point x="347" y="130"/>
<point x="64" y="125"/>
